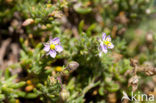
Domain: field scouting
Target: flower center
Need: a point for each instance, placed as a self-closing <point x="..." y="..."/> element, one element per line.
<point x="107" y="43"/>
<point x="52" y="46"/>
<point x="59" y="69"/>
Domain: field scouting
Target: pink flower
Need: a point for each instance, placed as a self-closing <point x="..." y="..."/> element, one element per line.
<point x="53" y="47"/>
<point x="105" y="43"/>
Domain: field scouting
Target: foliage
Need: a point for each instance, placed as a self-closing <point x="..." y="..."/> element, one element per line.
<point x="79" y="24"/>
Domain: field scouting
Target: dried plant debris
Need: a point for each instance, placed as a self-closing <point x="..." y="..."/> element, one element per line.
<point x="133" y="81"/>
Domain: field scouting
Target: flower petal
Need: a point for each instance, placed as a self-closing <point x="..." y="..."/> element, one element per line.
<point x="46" y="48"/>
<point x="103" y="36"/>
<point x="55" y="41"/>
<point x="108" y="38"/>
<point x="111" y="46"/>
<point x="104" y="48"/>
<point x="59" y="48"/>
<point x="100" y="54"/>
<point x="52" y="53"/>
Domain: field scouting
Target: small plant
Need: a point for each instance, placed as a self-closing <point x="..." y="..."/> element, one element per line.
<point x="76" y="51"/>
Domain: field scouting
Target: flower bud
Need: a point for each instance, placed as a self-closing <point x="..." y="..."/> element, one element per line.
<point x="149" y="37"/>
<point x="52" y="80"/>
<point x="29" y="88"/>
<point x="148" y="11"/>
<point x="17" y="101"/>
<point x="49" y="5"/>
<point x="28" y="22"/>
<point x="64" y="94"/>
<point x="29" y="82"/>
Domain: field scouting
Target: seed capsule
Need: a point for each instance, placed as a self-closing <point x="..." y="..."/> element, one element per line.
<point x="73" y="65"/>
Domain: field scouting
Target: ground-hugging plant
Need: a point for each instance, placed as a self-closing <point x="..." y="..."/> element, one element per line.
<point x="76" y="51"/>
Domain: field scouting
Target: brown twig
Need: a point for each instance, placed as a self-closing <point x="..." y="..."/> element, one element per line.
<point x="3" y="49"/>
<point x="149" y="70"/>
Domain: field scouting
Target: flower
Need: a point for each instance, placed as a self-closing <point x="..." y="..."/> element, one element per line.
<point x="105" y="43"/>
<point x="53" y="46"/>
